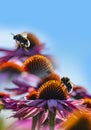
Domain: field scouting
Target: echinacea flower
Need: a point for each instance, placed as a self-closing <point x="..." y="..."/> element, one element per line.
<point x="51" y="102"/>
<point x="38" y="65"/>
<point x="23" y="86"/>
<point x="79" y="92"/>
<point x="31" y="47"/>
<point x="77" y="121"/>
<point x="9" y="70"/>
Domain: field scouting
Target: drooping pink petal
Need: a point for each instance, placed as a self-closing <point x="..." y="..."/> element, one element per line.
<point x="43" y="117"/>
<point x="32" y="113"/>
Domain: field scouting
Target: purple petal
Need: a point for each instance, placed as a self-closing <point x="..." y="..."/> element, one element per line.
<point x="86" y="95"/>
<point x="5" y="50"/>
<point x="35" y="50"/>
<point x="42" y="104"/>
<point x="17" y="91"/>
<point x="9" y="103"/>
<point x="5" y="58"/>
<point x="22" y="87"/>
<point x="60" y="107"/>
<point x="34" y="102"/>
<point x="21" y="84"/>
<point x="65" y="105"/>
<point x="27" y="80"/>
<point x="52" y="103"/>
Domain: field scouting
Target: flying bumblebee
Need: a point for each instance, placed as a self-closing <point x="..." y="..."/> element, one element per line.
<point x="66" y="81"/>
<point x="22" y="40"/>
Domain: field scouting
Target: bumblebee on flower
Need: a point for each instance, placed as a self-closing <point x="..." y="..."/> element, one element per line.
<point x="27" y="45"/>
<point x="49" y="103"/>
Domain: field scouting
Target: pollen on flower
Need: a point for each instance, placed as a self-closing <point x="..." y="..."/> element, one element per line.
<point x="32" y="95"/>
<point x="38" y="65"/>
<point x="52" y="89"/>
<point x="11" y="67"/>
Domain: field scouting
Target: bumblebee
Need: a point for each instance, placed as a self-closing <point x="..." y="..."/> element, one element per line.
<point x="66" y="81"/>
<point x="22" y="40"/>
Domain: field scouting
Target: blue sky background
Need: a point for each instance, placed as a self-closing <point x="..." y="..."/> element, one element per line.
<point x="65" y="27"/>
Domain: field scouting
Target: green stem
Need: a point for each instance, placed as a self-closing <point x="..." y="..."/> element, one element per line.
<point x="51" y="120"/>
<point x="34" y="122"/>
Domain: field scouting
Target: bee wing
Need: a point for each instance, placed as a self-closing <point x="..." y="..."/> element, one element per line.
<point x="24" y="34"/>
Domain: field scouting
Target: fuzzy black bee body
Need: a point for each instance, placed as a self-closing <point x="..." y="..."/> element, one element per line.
<point x="21" y="40"/>
<point x="67" y="83"/>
